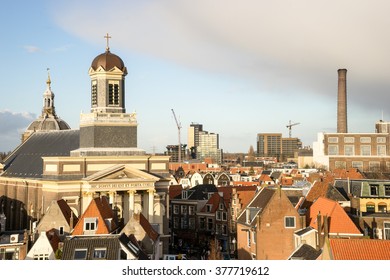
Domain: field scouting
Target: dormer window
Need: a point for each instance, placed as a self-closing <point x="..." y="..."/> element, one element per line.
<point x="373" y="190"/>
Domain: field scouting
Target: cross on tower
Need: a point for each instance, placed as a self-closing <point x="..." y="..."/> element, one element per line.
<point x="108" y="37"/>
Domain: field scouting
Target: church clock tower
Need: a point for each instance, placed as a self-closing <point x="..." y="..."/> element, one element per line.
<point x="108" y="129"/>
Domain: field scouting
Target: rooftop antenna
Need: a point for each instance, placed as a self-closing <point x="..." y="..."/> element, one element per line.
<point x="178" y="124"/>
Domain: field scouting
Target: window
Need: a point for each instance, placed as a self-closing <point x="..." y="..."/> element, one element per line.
<point x="340" y="164"/>
<point x="374" y="166"/>
<point x="210" y="224"/>
<point x="234" y="201"/>
<point x="386" y="227"/>
<point x="219" y="215"/>
<point x="333" y="140"/>
<point x="387" y="190"/>
<point x="289" y="222"/>
<point x="357" y="164"/>
<point x="224" y="216"/>
<point x="191" y="210"/>
<point x="191" y="223"/>
<point x="349" y="140"/>
<point x="61" y="230"/>
<point x="382" y="207"/>
<point x="220" y="206"/>
<point x="381" y="150"/>
<point x="374" y="190"/>
<point x="202" y="223"/>
<point x="184" y="194"/>
<point x="184" y="223"/>
<point x="175" y="209"/>
<point x="176" y="222"/>
<point x="349" y="150"/>
<point x="94" y="93"/>
<point x="99" y="253"/>
<point x="333" y="150"/>
<point x="41" y="257"/>
<point x="248" y="237"/>
<point x="113" y="94"/>
<point x="365" y="139"/>
<point x="370" y="207"/>
<point x="365" y="150"/>
<point x="90" y="225"/>
<point x="224" y="229"/>
<point x="218" y="229"/>
<point x="209" y="207"/>
<point x="184" y="209"/>
<point x="381" y="140"/>
<point x="80" y="254"/>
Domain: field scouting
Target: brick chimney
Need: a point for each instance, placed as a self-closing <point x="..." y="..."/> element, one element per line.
<point x="342" y="102"/>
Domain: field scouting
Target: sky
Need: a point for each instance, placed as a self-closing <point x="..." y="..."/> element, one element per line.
<point x="238" y="67"/>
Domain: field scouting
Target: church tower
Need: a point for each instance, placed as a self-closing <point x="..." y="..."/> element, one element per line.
<point x="48" y="120"/>
<point x="108" y="129"/>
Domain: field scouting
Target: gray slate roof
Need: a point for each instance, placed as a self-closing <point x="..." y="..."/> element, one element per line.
<point x="305" y="252"/>
<point x="257" y="205"/>
<point x="112" y="244"/>
<point x="26" y="160"/>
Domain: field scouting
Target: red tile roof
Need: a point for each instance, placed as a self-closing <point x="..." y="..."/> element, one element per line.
<point x="360" y="249"/>
<point x="339" y="222"/>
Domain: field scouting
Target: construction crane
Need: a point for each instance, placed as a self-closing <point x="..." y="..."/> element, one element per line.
<point x="178" y="129"/>
<point x="289" y="127"/>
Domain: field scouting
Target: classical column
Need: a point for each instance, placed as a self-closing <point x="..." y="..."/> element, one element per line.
<point x="131" y="203"/>
<point x="111" y="196"/>
<point x="151" y="204"/>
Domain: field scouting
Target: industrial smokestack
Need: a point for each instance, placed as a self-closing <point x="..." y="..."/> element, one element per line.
<point x="342" y="102"/>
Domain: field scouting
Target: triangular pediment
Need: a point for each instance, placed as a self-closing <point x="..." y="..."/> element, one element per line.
<point x="121" y="172"/>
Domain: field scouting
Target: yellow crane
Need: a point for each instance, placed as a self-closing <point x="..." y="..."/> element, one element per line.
<point x="290" y="124"/>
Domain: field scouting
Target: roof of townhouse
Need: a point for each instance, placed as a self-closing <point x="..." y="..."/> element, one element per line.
<point x="98" y="208"/>
<point x="359" y="249"/>
<point x="305" y="252"/>
<point x="256" y="205"/>
<point x="338" y="219"/>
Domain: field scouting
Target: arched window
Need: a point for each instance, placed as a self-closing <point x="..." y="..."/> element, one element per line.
<point x="370" y="207"/>
<point x="382" y="207"/>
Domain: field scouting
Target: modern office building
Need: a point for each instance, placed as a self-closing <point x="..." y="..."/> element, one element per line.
<point x="203" y="144"/>
<point x="274" y="145"/>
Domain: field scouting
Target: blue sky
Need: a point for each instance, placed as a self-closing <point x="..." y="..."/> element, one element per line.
<point x="238" y="67"/>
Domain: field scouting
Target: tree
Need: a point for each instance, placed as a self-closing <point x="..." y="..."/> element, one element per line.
<point x="251" y="154"/>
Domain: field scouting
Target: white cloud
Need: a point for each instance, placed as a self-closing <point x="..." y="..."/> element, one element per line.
<point x="280" y="45"/>
<point x="31" y="49"/>
<point x="12" y="125"/>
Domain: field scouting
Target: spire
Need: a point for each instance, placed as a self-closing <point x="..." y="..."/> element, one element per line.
<point x="48" y="81"/>
<point x="108" y="37"/>
<point x="48" y="98"/>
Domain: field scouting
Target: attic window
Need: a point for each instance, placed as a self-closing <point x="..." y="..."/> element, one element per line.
<point x="80" y="254"/>
<point x="90" y="225"/>
<point x="99" y="253"/>
<point x="61" y="230"/>
<point x="209" y="207"/>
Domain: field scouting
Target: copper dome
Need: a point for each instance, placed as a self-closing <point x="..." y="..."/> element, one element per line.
<point x="108" y="61"/>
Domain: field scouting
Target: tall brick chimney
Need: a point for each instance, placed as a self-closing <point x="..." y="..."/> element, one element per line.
<point x="342" y="102"/>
